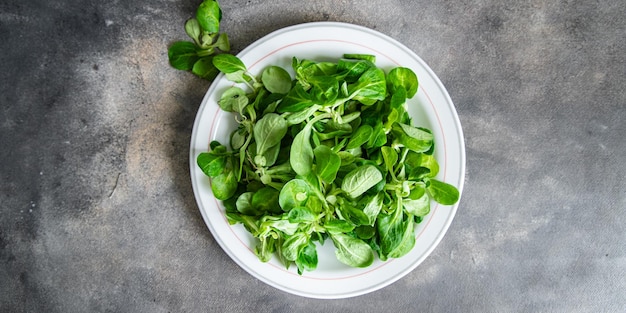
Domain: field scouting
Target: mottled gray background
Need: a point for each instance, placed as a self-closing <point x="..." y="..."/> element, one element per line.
<point x="97" y="210"/>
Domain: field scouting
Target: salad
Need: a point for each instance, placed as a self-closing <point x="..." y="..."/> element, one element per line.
<point x="330" y="154"/>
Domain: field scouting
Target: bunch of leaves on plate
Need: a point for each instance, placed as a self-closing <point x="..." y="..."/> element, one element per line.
<point x="329" y="154"/>
<point x="204" y="30"/>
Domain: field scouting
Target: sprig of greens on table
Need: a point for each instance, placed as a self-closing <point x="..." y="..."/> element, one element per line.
<point x="328" y="155"/>
<point x="204" y="30"/>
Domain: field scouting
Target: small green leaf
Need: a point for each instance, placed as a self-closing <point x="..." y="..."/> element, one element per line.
<point x="228" y="63"/>
<point x="233" y="217"/>
<point x="367" y="57"/>
<point x="338" y="226"/>
<point x="238" y="138"/>
<point x="276" y="80"/>
<point x="352" y="251"/>
<point x="209" y="15"/>
<point x="301" y="156"/>
<point x="293" y="245"/>
<point x="346" y="157"/>
<point x="378" y="138"/>
<point x="297" y="99"/>
<point x="206" y="40"/>
<point x="402" y="77"/>
<point x="372" y="207"/>
<point x="352" y="214"/>
<point x="278" y="223"/>
<point x="222" y="42"/>
<point x="351" y="70"/>
<point x="390" y="231"/>
<point x="234" y="99"/>
<point x="224" y="185"/>
<point x="301" y="215"/>
<point x="324" y="89"/>
<point x="365" y="232"/>
<point x="237" y="76"/>
<point x="398" y="99"/>
<point x="265" y="249"/>
<point x="360" y="180"/>
<point x="360" y="136"/>
<point x="370" y="87"/>
<point x="415" y="139"/>
<point x="192" y="28"/>
<point x="332" y="129"/>
<point x="420" y="165"/>
<point x="294" y="193"/>
<point x="307" y="258"/>
<point x="407" y="240"/>
<point x="244" y="205"/>
<point x="327" y="163"/>
<point x="204" y="68"/>
<point x="443" y="193"/>
<point x="390" y="156"/>
<point x="266" y="200"/>
<point x="182" y="55"/>
<point x="269" y="131"/>
<point x="294" y="118"/>
<point x="418" y="202"/>
<point x="217" y="147"/>
<point x="211" y="164"/>
<point x="270" y="155"/>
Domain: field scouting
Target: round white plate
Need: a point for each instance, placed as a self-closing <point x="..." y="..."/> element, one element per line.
<point x="431" y="108"/>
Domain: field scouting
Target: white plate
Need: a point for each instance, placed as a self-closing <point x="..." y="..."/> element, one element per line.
<point x="431" y="108"/>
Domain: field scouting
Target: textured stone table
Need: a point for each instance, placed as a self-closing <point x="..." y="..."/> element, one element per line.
<point x="97" y="213"/>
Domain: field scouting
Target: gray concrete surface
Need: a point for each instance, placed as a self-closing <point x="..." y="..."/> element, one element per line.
<point x="97" y="212"/>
